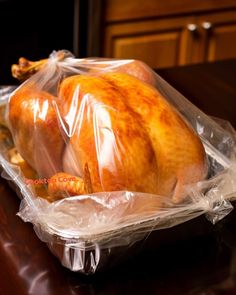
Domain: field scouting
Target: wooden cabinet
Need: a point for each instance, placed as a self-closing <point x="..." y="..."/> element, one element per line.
<point x="160" y="43"/>
<point x="220" y="35"/>
<point x="167" y="34"/>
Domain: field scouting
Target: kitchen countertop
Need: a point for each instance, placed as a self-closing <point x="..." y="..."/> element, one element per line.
<point x="193" y="258"/>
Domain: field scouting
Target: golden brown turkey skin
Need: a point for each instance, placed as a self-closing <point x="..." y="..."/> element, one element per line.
<point x="139" y="70"/>
<point x="135" y="68"/>
<point x="178" y="149"/>
<point x="35" y="130"/>
<point x="106" y="136"/>
<point x="130" y="136"/>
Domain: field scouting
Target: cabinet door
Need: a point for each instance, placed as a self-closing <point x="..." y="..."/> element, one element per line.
<point x="159" y="43"/>
<point x="220" y="29"/>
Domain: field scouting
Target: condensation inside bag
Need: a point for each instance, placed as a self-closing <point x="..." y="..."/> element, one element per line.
<point x="118" y="217"/>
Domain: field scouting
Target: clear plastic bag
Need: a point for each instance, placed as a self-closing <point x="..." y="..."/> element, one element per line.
<point x="107" y="152"/>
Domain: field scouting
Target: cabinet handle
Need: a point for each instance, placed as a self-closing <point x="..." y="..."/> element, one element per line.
<point x="207" y="25"/>
<point x="192" y="27"/>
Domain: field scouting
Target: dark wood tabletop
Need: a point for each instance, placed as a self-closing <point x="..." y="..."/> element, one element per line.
<point x="194" y="258"/>
<point x="210" y="86"/>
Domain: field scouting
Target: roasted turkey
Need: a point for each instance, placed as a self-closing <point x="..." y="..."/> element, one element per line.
<point x="109" y="132"/>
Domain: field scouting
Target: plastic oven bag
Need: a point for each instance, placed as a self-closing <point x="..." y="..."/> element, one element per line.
<point x="104" y="151"/>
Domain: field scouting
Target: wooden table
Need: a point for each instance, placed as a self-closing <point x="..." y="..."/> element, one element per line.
<point x="201" y="261"/>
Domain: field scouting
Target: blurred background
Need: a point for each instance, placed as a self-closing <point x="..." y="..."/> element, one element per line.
<point x="161" y="33"/>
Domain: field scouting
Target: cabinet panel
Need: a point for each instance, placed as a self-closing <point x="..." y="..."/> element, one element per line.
<point x="123" y="10"/>
<point x="222" y="43"/>
<point x="157" y="50"/>
<point x="220" y="35"/>
<point x="159" y="43"/>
